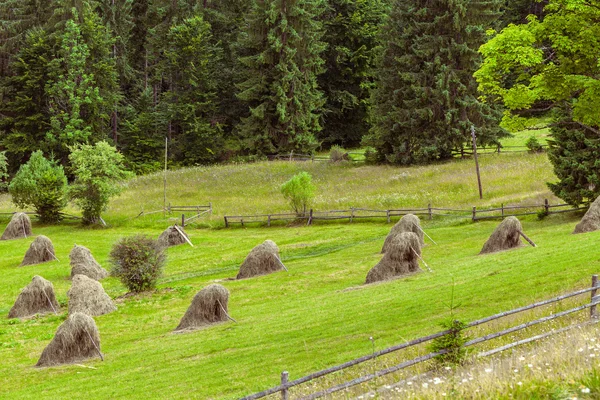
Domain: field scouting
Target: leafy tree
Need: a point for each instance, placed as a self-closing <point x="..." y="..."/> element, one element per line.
<point x="552" y="65"/>
<point x="40" y="184"/>
<point x="3" y="172"/>
<point x="299" y="191"/>
<point x="283" y="39"/>
<point x="138" y="262"/>
<point x="98" y="169"/>
<point x="351" y="34"/>
<point x="426" y="98"/>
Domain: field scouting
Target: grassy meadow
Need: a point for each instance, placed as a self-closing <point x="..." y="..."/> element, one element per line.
<point x="318" y="314"/>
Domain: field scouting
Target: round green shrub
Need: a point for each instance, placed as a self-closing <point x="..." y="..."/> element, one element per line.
<point x="138" y="262"/>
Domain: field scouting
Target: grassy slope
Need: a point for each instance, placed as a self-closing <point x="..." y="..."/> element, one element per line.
<point x="300" y="321"/>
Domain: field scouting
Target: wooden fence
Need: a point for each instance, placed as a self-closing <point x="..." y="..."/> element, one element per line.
<point x="286" y="384"/>
<point x="429" y="212"/>
<point x="196" y="211"/>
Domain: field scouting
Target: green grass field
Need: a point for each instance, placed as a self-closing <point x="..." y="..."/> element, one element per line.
<point x="317" y="315"/>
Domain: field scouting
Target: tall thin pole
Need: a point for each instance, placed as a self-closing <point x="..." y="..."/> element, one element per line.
<point x="476" y="160"/>
<point x="165" y="178"/>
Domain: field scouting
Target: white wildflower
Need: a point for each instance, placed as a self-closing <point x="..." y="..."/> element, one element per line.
<point x="585" y="390"/>
<point x="425" y="385"/>
<point x="488" y="370"/>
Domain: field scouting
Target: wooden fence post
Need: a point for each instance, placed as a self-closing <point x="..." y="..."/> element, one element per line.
<point x="226" y="223"/>
<point x="474" y="218"/>
<point x="430" y="212"/>
<point x="387" y="213"/>
<point x="269" y="220"/>
<point x="546" y="206"/>
<point x="284" y="380"/>
<point x="310" y="215"/>
<point x="502" y="208"/>
<point x="351" y="214"/>
<point x="183" y="220"/>
<point x="593" y="313"/>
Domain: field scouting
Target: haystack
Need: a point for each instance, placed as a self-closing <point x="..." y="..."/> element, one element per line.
<point x="18" y="227"/>
<point x="77" y="339"/>
<point x="172" y="236"/>
<point x="209" y="306"/>
<point x="37" y="298"/>
<point x="83" y="263"/>
<point x="88" y="296"/>
<point x="408" y="223"/>
<point x="505" y="237"/>
<point x="263" y="259"/>
<point x="401" y="258"/>
<point x="40" y="251"/>
<point x="591" y="220"/>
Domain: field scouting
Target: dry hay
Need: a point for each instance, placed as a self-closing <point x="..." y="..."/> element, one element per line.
<point x="591" y="220"/>
<point x="37" y="298"/>
<point x="87" y="296"/>
<point x="209" y="306"/>
<point x="77" y="339"/>
<point x="505" y="237"/>
<point x="263" y="259"/>
<point x="400" y="258"/>
<point x="408" y="223"/>
<point x="172" y="237"/>
<point x="40" y="251"/>
<point x="18" y="227"/>
<point x="83" y="263"/>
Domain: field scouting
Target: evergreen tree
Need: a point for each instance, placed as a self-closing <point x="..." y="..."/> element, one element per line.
<point x="283" y="38"/>
<point x="351" y="33"/>
<point x="426" y="99"/>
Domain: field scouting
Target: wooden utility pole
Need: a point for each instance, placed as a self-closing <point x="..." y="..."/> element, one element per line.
<point x="476" y="160"/>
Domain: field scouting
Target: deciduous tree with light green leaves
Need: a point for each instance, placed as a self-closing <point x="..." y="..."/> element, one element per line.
<point x="299" y="191"/>
<point x="552" y="66"/>
<point x="98" y="171"/>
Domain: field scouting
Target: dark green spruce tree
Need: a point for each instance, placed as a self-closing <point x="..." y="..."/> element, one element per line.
<point x="426" y="97"/>
<point x="283" y="38"/>
<point x="351" y="34"/>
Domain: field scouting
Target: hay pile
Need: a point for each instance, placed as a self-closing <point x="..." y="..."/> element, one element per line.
<point x="399" y="259"/>
<point x="37" y="298"/>
<point x="83" y="263"/>
<point x="408" y="223"/>
<point x="77" y="339"/>
<point x="505" y="237"/>
<point x="263" y="259"/>
<point x="172" y="237"/>
<point x="87" y="296"/>
<point x="40" y="251"/>
<point x="18" y="227"/>
<point x="209" y="306"/>
<point x="591" y="220"/>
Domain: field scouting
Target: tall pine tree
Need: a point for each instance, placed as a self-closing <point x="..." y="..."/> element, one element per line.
<point x="283" y="38"/>
<point x="426" y="99"/>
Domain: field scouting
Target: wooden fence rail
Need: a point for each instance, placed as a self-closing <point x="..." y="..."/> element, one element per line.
<point x="285" y="385"/>
<point x="352" y="214"/>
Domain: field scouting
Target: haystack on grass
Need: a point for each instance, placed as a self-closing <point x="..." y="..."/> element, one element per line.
<point x="37" y="298"/>
<point x="83" y="263"/>
<point x="40" y="251"/>
<point x="401" y="258"/>
<point x="408" y="223"/>
<point x="263" y="259"/>
<point x="505" y="237"/>
<point x="172" y="236"/>
<point x="88" y="296"/>
<point x="209" y="306"/>
<point x="591" y="220"/>
<point x="77" y="339"/>
<point x="19" y="227"/>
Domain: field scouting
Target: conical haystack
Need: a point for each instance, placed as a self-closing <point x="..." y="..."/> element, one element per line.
<point x="83" y="263"/>
<point x="40" y="251"/>
<point x="172" y="236"/>
<point x="37" y="298"/>
<point x="87" y="296"/>
<point x="19" y="227"/>
<point x="505" y="237"/>
<point x="408" y="223"/>
<point x="209" y="306"/>
<point x="77" y="339"/>
<point x="263" y="259"/>
<point x="401" y="258"/>
<point x="591" y="220"/>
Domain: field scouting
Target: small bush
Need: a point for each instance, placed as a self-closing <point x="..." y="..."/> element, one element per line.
<point x="3" y="172"/>
<point x="138" y="262"/>
<point x="534" y="145"/>
<point x="337" y="154"/>
<point x="370" y="156"/>
<point x="299" y="191"/>
<point x="453" y="342"/>
<point x="40" y="184"/>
